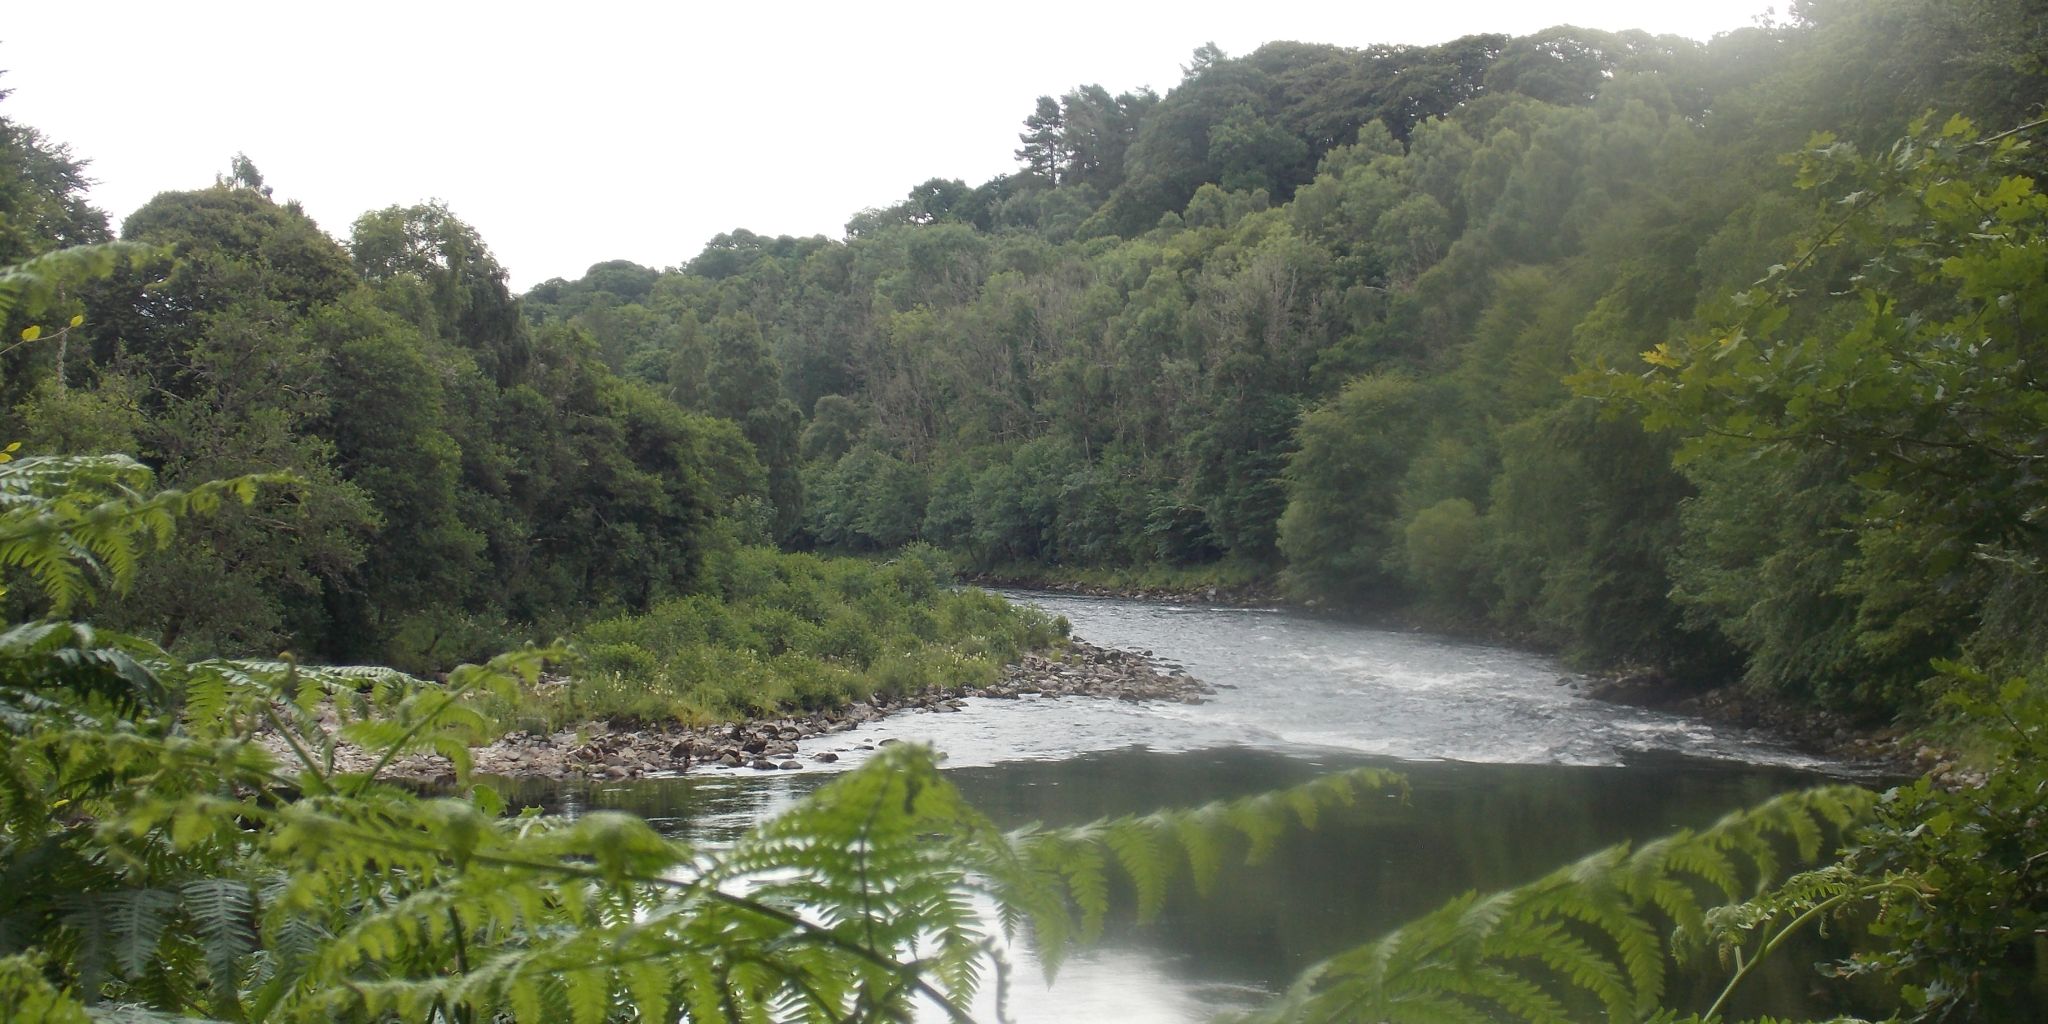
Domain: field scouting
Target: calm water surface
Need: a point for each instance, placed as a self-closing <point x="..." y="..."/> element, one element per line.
<point x="1512" y="771"/>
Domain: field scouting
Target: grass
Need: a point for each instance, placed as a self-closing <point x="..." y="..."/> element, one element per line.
<point x="1224" y="575"/>
<point x="777" y="633"/>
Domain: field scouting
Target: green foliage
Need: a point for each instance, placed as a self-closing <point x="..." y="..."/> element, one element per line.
<point x="1234" y="576"/>
<point x="1135" y="352"/>
<point x="42" y="196"/>
<point x="1445" y="551"/>
<point x="222" y="342"/>
<point x="1342" y="532"/>
<point x="1585" y="939"/>
<point x="180" y="867"/>
<point x="70" y="522"/>
<point x="1314" y="303"/>
<point x="1163" y="382"/>
<point x="865" y="500"/>
<point x="775" y="633"/>
<point x="1965" y="938"/>
<point x="1925" y="369"/>
<point x="1942" y="891"/>
<point x="32" y="283"/>
<point x="1890" y="364"/>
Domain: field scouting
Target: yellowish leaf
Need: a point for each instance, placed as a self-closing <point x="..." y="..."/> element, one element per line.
<point x="31" y="332"/>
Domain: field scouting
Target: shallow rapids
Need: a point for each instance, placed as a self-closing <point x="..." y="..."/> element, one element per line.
<point x="1514" y="772"/>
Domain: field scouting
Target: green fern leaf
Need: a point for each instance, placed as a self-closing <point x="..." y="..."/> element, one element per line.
<point x="1136" y="844"/>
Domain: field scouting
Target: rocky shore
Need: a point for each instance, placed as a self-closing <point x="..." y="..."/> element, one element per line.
<point x="606" y="750"/>
<point x="1892" y="750"/>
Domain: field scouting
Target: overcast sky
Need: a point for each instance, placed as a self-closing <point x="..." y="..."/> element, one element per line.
<point x="570" y="133"/>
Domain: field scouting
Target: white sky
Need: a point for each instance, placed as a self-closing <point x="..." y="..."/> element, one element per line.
<point x="570" y="133"/>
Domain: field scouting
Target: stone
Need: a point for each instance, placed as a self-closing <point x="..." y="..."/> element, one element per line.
<point x="790" y="766"/>
<point x="828" y="757"/>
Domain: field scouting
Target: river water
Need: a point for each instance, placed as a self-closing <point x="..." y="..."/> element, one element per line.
<point x="1513" y="773"/>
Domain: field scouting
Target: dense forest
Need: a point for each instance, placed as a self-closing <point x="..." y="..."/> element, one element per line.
<point x="1716" y="360"/>
<point x="1311" y="315"/>
<point x="1315" y="313"/>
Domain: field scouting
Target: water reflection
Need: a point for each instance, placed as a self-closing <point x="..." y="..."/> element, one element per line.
<point x="1513" y="774"/>
<point x="1361" y="872"/>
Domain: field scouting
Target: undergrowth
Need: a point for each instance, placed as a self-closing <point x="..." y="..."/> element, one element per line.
<point x="1230" y="574"/>
<point x="775" y="633"/>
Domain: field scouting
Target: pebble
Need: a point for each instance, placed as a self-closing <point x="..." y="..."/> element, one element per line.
<point x="597" y="750"/>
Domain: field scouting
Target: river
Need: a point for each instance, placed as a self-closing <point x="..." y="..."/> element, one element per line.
<point x="1513" y="773"/>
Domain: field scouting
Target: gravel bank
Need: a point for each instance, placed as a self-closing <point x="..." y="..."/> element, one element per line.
<point x="608" y="750"/>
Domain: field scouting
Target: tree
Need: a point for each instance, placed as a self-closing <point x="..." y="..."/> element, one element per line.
<point x="1919" y="382"/>
<point x="745" y="387"/>
<point x="1045" y="152"/>
<point x="1251" y="153"/>
<point x="42" y="196"/>
<point x="231" y="381"/>
<point x="242" y="173"/>
<point x="448" y="281"/>
<point x="837" y="423"/>
<point x="1341" y="533"/>
<point x="1097" y="129"/>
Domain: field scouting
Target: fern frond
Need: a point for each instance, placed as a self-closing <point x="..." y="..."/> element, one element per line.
<point x="1136" y="843"/>
<point x="82" y="663"/>
<point x="1584" y="936"/>
<point x="35" y="281"/>
<point x="1066" y="877"/>
<point x="222" y="915"/>
<point x="119" y="929"/>
<point x="65" y="519"/>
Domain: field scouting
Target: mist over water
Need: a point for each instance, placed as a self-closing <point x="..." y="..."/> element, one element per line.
<point x="1513" y="773"/>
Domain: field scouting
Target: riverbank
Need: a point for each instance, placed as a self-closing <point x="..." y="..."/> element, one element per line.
<point x="612" y="749"/>
<point x="1227" y="586"/>
<point x="1892" y="749"/>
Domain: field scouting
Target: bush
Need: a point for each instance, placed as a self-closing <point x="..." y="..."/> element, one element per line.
<point x="1446" y="558"/>
<point x="784" y="633"/>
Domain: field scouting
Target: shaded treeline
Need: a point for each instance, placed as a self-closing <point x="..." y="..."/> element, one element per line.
<point x="1311" y="312"/>
<point x="463" y="473"/>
